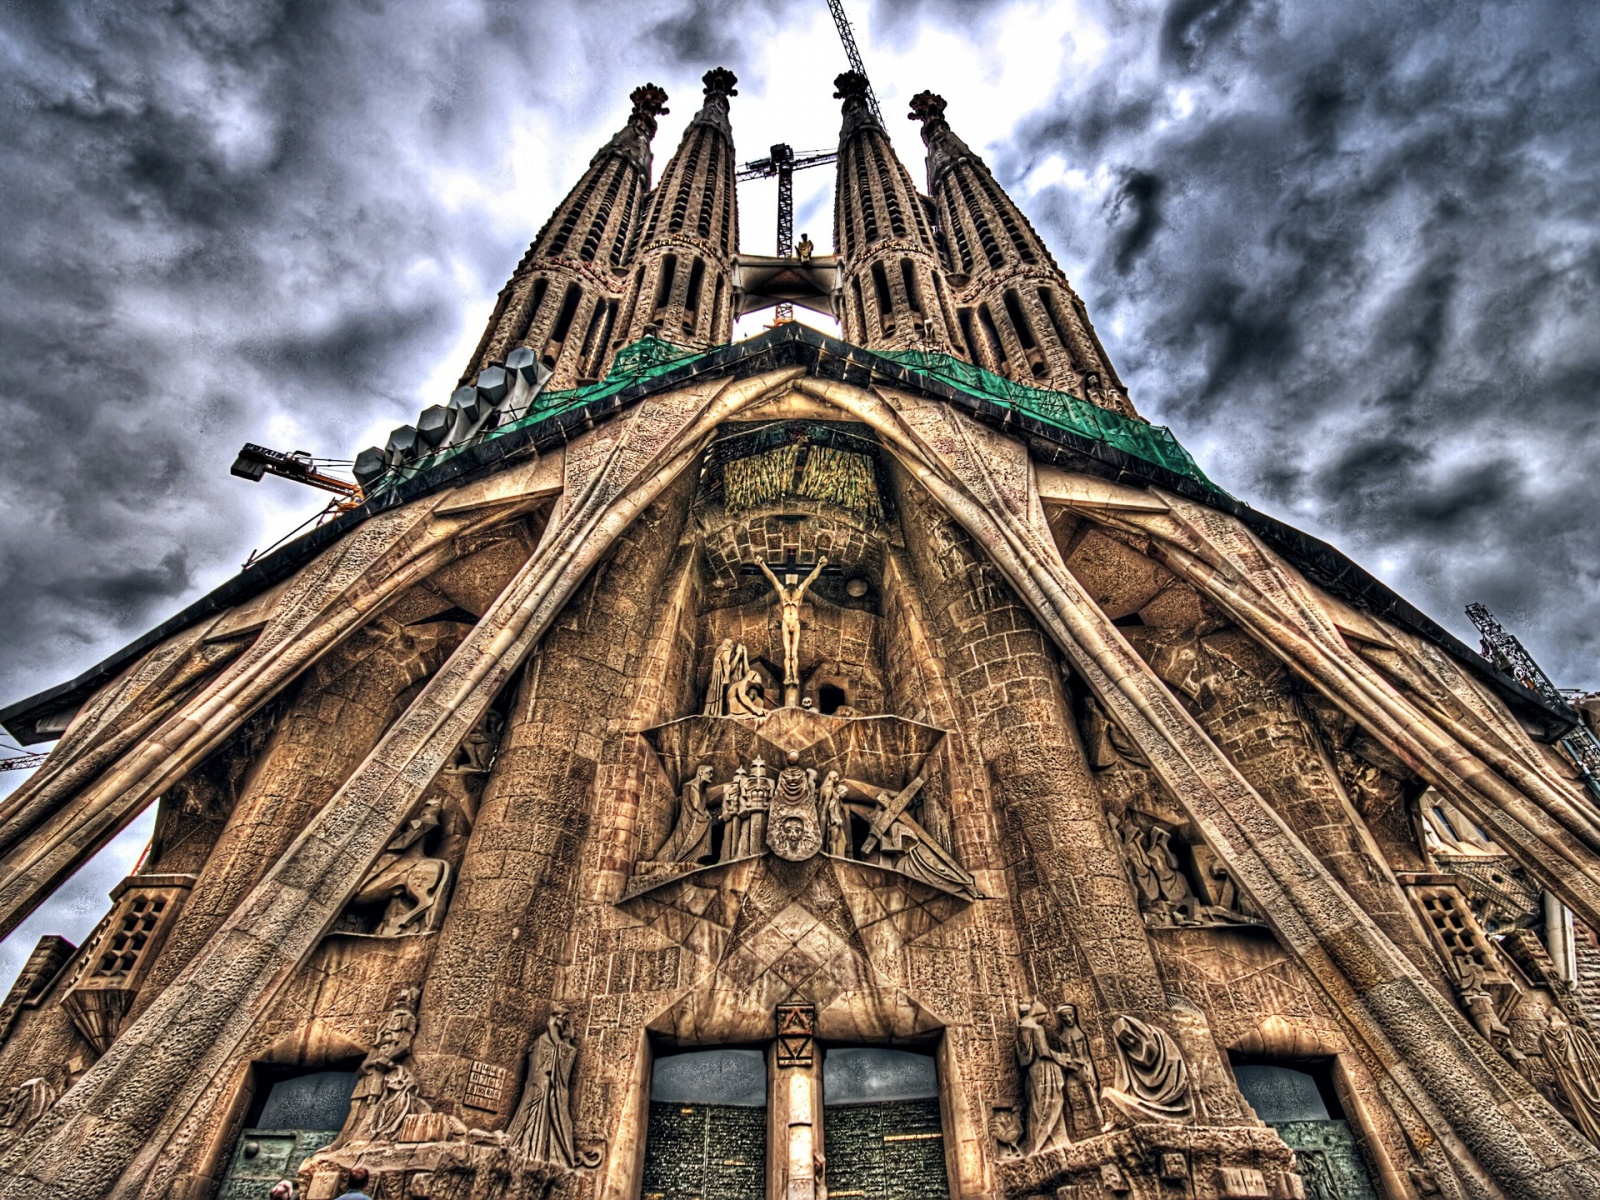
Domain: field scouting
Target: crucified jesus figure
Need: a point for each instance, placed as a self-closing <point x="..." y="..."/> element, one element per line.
<point x="790" y="596"/>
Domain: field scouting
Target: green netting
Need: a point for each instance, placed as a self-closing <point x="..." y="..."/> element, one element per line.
<point x="1152" y="443"/>
<point x="644" y="359"/>
<point x="650" y="357"/>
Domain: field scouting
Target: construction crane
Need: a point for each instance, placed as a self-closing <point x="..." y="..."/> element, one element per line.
<point x="847" y="36"/>
<point x="25" y="761"/>
<point x="783" y="162"/>
<point x="1501" y="647"/>
<point x="256" y="461"/>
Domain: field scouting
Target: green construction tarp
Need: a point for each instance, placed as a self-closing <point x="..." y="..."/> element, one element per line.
<point x="649" y="358"/>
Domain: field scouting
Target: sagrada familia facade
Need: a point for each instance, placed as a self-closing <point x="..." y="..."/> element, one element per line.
<point x="880" y="766"/>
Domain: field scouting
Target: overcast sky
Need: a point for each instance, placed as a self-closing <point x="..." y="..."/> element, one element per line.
<point x="1346" y="251"/>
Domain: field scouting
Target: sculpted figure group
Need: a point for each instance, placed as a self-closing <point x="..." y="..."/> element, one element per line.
<point x="800" y="813"/>
<point x="540" y="1131"/>
<point x="1060" y="1088"/>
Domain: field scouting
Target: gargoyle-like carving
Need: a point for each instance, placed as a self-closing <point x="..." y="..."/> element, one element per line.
<point x="1152" y="1078"/>
<point x="541" y="1129"/>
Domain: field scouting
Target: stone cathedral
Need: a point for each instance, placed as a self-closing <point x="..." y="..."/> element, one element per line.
<point x="803" y="767"/>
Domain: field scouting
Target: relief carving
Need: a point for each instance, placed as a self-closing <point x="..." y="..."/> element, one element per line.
<point x="1573" y="1056"/>
<point x="791" y="594"/>
<point x="1152" y="1078"/>
<point x="405" y="880"/>
<point x="730" y="667"/>
<point x="794" y="824"/>
<point x="1044" y="1076"/>
<point x="386" y="1091"/>
<point x="24" y="1105"/>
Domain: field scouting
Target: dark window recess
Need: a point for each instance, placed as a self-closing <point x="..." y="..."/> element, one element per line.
<point x="908" y="276"/>
<point x="1019" y="322"/>
<point x="964" y="319"/>
<point x="880" y="290"/>
<point x="669" y="274"/>
<point x="998" y="346"/>
<point x="558" y="335"/>
<point x="830" y="699"/>
<point x="691" y="304"/>
<point x="540" y="286"/>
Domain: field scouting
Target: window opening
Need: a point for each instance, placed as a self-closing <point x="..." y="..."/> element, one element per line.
<point x="707" y="1137"/>
<point x="830" y="699"/>
<point x="883" y="1138"/>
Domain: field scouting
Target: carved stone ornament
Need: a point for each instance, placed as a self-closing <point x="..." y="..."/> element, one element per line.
<point x="1152" y="1078"/>
<point x="794" y="824"/>
<point x="410" y="884"/>
<point x="729" y="667"/>
<point x="386" y="1101"/>
<point x="541" y="1129"/>
<point x="791" y="592"/>
<point x="690" y="839"/>
<point x="24" y="1105"/>
<point x="1083" y="1081"/>
<point x="1573" y="1056"/>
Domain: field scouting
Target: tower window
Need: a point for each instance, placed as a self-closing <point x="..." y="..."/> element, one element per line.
<point x="1019" y="322"/>
<point x="669" y="274"/>
<point x="540" y="286"/>
<point x="558" y="335"/>
<point x="880" y="289"/>
<point x="996" y="343"/>
<point x="691" y="304"/>
<point x="908" y="276"/>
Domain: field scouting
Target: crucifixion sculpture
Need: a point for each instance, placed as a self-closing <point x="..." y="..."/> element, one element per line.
<point x="791" y="593"/>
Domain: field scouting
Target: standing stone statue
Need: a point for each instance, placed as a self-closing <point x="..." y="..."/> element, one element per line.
<point x="791" y="593"/>
<point x="730" y="667"/>
<point x="1083" y="1081"/>
<point x="24" y="1105"/>
<point x="690" y="840"/>
<point x="542" y="1126"/>
<point x="835" y="819"/>
<point x="1573" y="1057"/>
<point x="1044" y="1081"/>
<point x="1152" y="1078"/>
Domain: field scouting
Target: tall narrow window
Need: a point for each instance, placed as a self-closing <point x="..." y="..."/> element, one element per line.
<point x="563" y="326"/>
<point x="880" y="289"/>
<point x="996" y="344"/>
<point x="908" y="276"/>
<point x="531" y="313"/>
<point x="669" y="274"/>
<point x="861" y="308"/>
<point x="716" y="310"/>
<point x="1030" y="347"/>
<point x="691" y="302"/>
<point x="964" y="316"/>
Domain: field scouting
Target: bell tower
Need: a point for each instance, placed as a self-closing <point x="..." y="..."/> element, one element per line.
<point x="893" y="288"/>
<point x="681" y="289"/>
<point x="561" y="301"/>
<point x="1018" y="314"/>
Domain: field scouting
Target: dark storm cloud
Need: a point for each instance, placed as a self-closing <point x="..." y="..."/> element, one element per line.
<point x="1350" y="250"/>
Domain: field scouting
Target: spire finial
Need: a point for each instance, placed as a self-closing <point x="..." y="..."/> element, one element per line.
<point x="927" y="107"/>
<point x="649" y="102"/>
<point x="720" y="81"/>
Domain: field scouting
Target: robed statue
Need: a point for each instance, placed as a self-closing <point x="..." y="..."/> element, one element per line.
<point x="542" y="1126"/>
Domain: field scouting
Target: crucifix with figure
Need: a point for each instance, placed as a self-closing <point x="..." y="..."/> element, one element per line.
<point x="791" y="593"/>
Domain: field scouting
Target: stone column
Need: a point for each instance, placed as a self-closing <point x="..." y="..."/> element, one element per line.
<point x="1079" y="928"/>
<point x="338" y="715"/>
<point x="516" y="916"/>
<point x="794" y="1125"/>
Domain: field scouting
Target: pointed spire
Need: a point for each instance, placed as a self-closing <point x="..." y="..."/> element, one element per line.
<point x="562" y="300"/>
<point x="1018" y="315"/>
<point x="682" y="287"/>
<point x="893" y="283"/>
